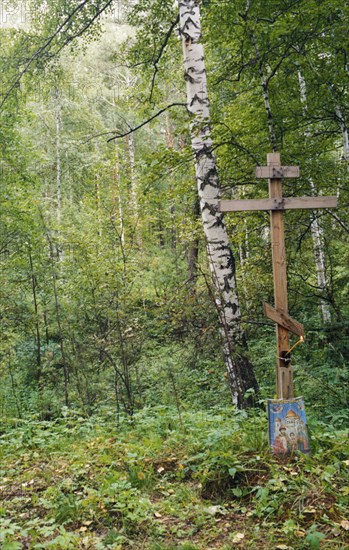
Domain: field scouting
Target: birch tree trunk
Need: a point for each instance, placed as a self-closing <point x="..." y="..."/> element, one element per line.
<point x="240" y="371"/>
<point x="317" y="233"/>
<point x="344" y="130"/>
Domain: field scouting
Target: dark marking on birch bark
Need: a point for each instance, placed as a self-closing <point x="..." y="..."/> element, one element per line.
<point x="217" y="222"/>
<point x="211" y="178"/>
<point x="206" y="151"/>
<point x="212" y="208"/>
<point x="189" y="78"/>
<point x="197" y="99"/>
<point x="189" y="22"/>
<point x="231" y="264"/>
<point x="226" y="285"/>
<point x="206" y="183"/>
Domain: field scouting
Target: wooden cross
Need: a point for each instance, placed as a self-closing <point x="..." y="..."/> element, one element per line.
<point x="277" y="204"/>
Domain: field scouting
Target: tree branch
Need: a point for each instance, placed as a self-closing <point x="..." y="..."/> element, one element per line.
<point x="341" y="223"/>
<point x="162" y="49"/>
<point x="145" y="122"/>
<point x="38" y="52"/>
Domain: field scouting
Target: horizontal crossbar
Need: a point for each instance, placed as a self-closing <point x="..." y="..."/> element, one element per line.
<point x="276" y="172"/>
<point x="283" y="203"/>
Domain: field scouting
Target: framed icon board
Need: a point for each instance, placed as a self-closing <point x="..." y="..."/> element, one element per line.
<point x="288" y="431"/>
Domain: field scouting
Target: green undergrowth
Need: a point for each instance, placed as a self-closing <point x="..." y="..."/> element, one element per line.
<point x="162" y="482"/>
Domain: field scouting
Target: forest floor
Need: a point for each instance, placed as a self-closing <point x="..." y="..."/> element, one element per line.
<point x="198" y="481"/>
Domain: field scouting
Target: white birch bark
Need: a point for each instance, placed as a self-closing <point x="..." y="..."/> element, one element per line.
<point x="344" y="130"/>
<point x="240" y="371"/>
<point x="316" y="232"/>
<point x="265" y="92"/>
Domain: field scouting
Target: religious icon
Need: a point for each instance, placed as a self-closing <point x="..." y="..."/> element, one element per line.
<point x="287" y="426"/>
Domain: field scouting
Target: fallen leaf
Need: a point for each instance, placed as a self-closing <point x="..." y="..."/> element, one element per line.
<point x="345" y="524"/>
<point x="157" y="515"/>
<point x="213" y="510"/>
<point x="238" y="537"/>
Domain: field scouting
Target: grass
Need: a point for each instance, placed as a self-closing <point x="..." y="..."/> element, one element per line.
<point x="207" y="482"/>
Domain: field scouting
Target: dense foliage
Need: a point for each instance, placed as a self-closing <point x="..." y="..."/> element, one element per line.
<point x="105" y="292"/>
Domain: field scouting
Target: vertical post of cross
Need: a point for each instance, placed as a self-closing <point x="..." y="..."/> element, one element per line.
<point x="284" y="375"/>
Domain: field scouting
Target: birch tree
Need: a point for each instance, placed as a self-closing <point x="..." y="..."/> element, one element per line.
<point x="316" y="232"/>
<point x="240" y="371"/>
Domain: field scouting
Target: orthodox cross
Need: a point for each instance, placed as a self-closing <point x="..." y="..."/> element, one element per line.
<point x="277" y="204"/>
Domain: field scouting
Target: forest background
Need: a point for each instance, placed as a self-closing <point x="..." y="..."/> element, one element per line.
<point x="106" y="298"/>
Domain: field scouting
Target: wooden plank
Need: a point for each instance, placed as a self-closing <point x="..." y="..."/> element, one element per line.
<point x="274" y="171"/>
<point x="279" y="203"/>
<point x="243" y="205"/>
<point x="284" y="320"/>
<point x="290" y="203"/>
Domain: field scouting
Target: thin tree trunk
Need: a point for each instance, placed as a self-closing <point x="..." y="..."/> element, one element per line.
<point x="58" y="318"/>
<point x="169" y="139"/>
<point x="98" y="206"/>
<point x="131" y="156"/>
<point x="240" y="371"/>
<point x="37" y="326"/>
<point x="58" y="160"/>
<point x="316" y="231"/>
<point x="344" y="130"/>
<point x="265" y="92"/>
<point x="14" y="389"/>
<point x="318" y="248"/>
<point x="193" y="253"/>
<point x="119" y="192"/>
